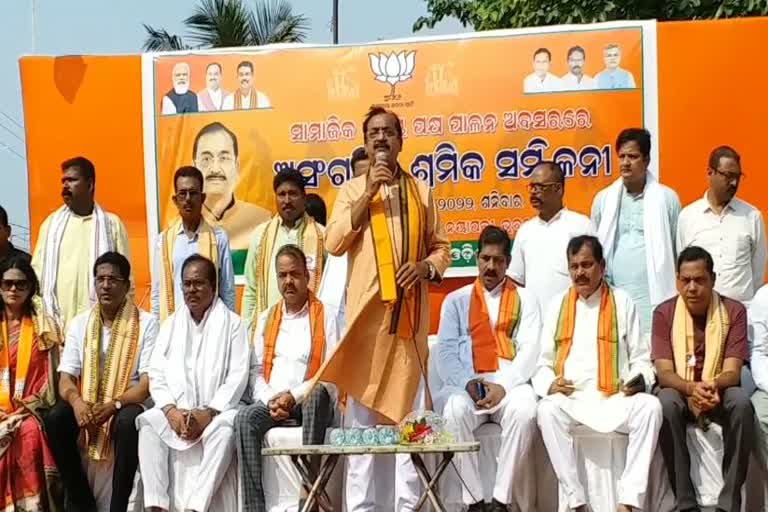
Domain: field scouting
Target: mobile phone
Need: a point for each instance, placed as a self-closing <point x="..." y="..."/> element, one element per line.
<point x="636" y="382"/>
<point x="480" y="388"/>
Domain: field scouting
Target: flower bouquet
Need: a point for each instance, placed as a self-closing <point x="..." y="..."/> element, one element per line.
<point x="424" y="427"/>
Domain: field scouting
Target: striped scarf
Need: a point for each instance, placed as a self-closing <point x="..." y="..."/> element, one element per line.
<point x="316" y="328"/>
<point x="117" y="368"/>
<point x="607" y="338"/>
<point x="488" y="345"/>
<point x="388" y="260"/>
<point x="310" y="239"/>
<point x="102" y="240"/>
<point x="206" y="246"/>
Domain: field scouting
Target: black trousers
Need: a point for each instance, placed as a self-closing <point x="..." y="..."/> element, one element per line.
<point x="63" y="433"/>
<point x="736" y="417"/>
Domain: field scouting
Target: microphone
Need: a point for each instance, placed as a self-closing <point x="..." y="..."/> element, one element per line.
<point x="382" y="155"/>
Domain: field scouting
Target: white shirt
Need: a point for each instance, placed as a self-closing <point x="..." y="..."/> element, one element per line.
<point x="551" y="83"/>
<point x="333" y="286"/>
<point x="167" y="106"/>
<point x="455" y="365"/>
<point x="292" y="353"/>
<point x="572" y="83"/>
<point x="735" y="239"/>
<point x="262" y="101"/>
<point x="217" y="98"/>
<point x="581" y="364"/>
<point x="72" y="356"/>
<point x="587" y="404"/>
<point x="758" y="320"/>
<point x="539" y="260"/>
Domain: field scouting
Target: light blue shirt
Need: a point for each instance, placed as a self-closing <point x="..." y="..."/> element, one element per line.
<point x="626" y="267"/>
<point x="183" y="248"/>
<point x="615" y="79"/>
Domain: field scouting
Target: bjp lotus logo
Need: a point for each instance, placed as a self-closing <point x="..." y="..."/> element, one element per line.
<point x="393" y="69"/>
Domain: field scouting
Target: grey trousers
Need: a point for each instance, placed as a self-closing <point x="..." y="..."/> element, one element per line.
<point x="736" y="417"/>
<point x="251" y="425"/>
<point x="760" y="403"/>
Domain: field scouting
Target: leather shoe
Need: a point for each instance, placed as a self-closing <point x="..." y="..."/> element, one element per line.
<point x="497" y="506"/>
<point x="477" y="507"/>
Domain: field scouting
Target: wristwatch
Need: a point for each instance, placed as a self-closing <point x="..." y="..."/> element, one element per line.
<point x="432" y="271"/>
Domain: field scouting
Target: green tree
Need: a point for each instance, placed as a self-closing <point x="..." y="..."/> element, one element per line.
<point x="495" y="14"/>
<point x="232" y="23"/>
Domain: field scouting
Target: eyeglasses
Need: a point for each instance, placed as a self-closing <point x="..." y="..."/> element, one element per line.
<point x="374" y="132"/>
<point x="206" y="161"/>
<point x="109" y="280"/>
<point x="540" y="187"/>
<point x="194" y="285"/>
<point x="21" y="285"/>
<point x="183" y="195"/>
<point x="730" y="176"/>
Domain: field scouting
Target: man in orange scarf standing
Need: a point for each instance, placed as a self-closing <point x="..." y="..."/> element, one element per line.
<point x="387" y="223"/>
<point x="486" y="354"/>
<point x="595" y="370"/>
<point x="699" y="346"/>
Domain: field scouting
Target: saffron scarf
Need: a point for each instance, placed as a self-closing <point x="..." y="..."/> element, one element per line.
<point x="11" y="393"/>
<point x="310" y="239"/>
<point x="206" y="246"/>
<point x="388" y="259"/>
<point x="102" y="240"/>
<point x="239" y="99"/>
<point x="607" y="338"/>
<point x="714" y="339"/>
<point x="490" y="344"/>
<point x="317" y="330"/>
<point x="117" y="368"/>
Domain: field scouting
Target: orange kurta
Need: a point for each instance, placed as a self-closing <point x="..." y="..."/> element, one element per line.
<point x="369" y="364"/>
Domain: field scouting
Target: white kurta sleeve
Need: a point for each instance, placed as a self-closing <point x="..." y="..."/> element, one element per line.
<point x="331" y="340"/>
<point x="260" y="389"/>
<point x="449" y="367"/>
<point x="758" y="317"/>
<point x="526" y="337"/>
<point x="167" y="106"/>
<point x="545" y="374"/>
<point x="759" y="254"/>
<point x="231" y="390"/>
<point x="516" y="268"/>
<point x="638" y="348"/>
<point x="158" y="366"/>
<point x="148" y="340"/>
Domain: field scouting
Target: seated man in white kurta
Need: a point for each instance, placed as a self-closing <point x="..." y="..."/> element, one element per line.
<point x="486" y="354"/>
<point x="595" y="370"/>
<point x="198" y="374"/>
<point x="290" y="342"/>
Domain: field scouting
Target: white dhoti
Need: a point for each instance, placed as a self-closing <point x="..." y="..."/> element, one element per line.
<point x="517" y="418"/>
<point x="366" y="490"/>
<point x="639" y="416"/>
<point x="157" y="439"/>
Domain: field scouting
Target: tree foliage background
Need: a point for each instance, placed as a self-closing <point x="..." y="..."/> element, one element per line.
<point x="232" y="23"/>
<point x="496" y="14"/>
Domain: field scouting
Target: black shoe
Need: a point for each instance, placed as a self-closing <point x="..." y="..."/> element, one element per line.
<point x="477" y="507"/>
<point x="497" y="506"/>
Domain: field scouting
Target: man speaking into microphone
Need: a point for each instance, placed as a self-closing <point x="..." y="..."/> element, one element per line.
<point x="387" y="223"/>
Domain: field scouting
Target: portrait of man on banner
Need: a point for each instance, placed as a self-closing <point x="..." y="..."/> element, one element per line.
<point x="217" y="154"/>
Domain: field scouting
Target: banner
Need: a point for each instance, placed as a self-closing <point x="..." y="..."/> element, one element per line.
<point x="478" y="112"/>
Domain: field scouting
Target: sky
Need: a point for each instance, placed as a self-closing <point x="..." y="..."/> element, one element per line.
<point x="56" y="27"/>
